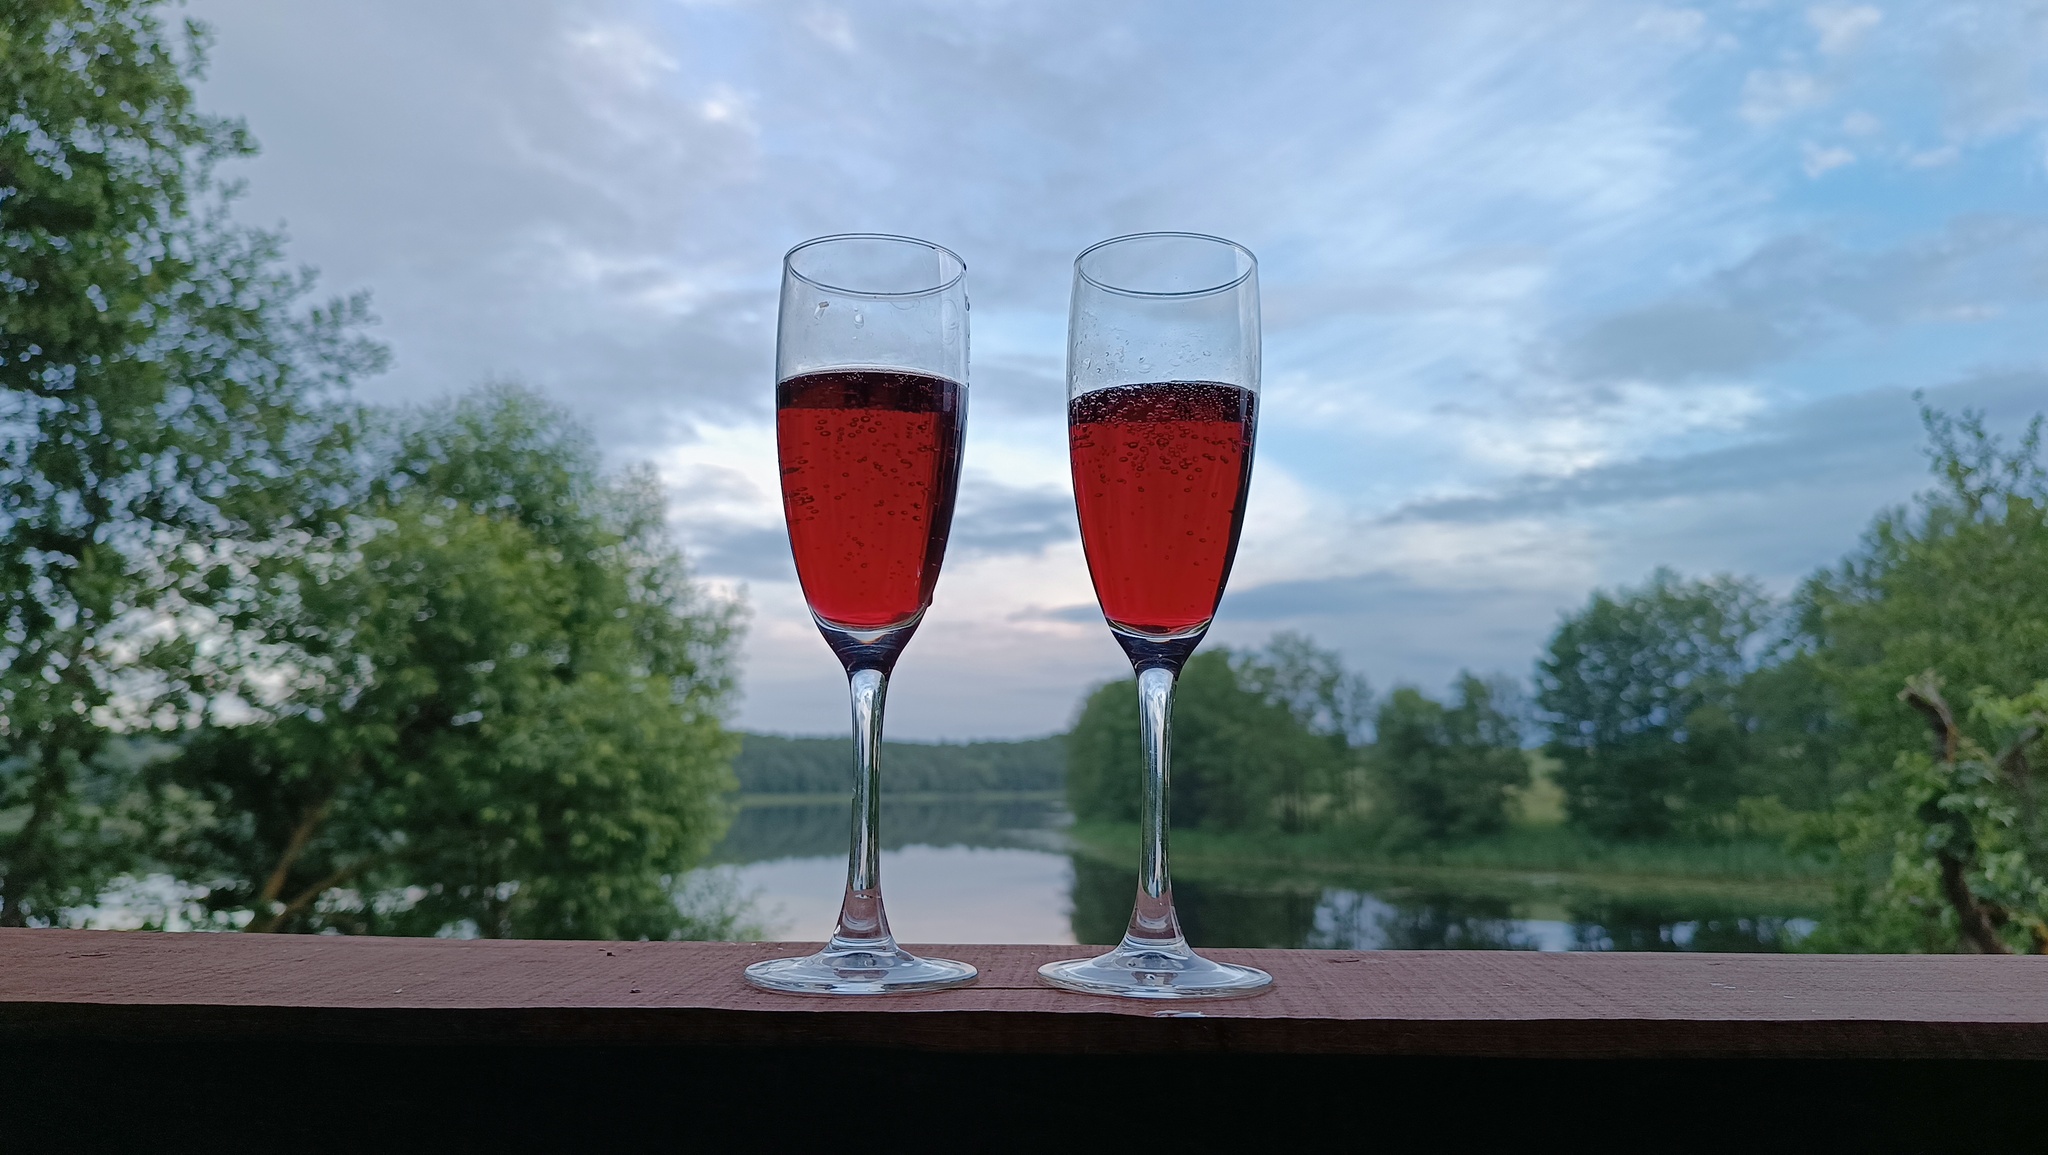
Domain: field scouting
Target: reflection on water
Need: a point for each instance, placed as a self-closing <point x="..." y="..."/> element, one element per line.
<point x="972" y="871"/>
<point x="1342" y="915"/>
<point x="821" y="829"/>
<point x="955" y="871"/>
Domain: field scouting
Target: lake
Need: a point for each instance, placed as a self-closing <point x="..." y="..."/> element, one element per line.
<point x="995" y="871"/>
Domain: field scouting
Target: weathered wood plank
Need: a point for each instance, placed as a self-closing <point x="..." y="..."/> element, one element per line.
<point x="1470" y="1004"/>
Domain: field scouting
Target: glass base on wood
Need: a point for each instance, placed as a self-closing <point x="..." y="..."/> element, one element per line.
<point x="1155" y="970"/>
<point x="870" y="969"/>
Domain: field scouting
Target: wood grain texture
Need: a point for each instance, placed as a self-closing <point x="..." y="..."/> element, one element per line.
<point x="1426" y="1003"/>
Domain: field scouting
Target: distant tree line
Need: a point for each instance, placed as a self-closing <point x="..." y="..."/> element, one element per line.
<point x="768" y="764"/>
<point x="271" y="659"/>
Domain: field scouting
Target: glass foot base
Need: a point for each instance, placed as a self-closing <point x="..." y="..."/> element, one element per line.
<point x="1135" y="971"/>
<point x="879" y="970"/>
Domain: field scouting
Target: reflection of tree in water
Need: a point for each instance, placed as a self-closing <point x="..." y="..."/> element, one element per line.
<point x="1102" y="900"/>
<point x="1221" y="916"/>
<point x="763" y="833"/>
<point x="1635" y="926"/>
<point x="1354" y="920"/>
<point x="1345" y="919"/>
<point x="1218" y="914"/>
<point x="1209" y="915"/>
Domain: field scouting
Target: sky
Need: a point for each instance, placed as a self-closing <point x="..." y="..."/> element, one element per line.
<point x="1554" y="292"/>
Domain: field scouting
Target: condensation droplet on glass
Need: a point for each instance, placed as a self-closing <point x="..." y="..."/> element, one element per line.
<point x="856" y="318"/>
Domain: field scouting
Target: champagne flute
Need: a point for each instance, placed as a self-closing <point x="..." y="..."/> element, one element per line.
<point x="870" y="408"/>
<point x="1162" y="403"/>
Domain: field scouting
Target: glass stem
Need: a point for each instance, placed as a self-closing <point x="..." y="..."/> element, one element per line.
<point x="863" y="924"/>
<point x="1153" y="922"/>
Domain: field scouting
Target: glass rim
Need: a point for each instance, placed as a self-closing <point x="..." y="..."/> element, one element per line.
<point x="1251" y="266"/>
<point x="789" y="265"/>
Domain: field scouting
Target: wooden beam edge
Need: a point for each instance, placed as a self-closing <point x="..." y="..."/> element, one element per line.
<point x="1030" y="1032"/>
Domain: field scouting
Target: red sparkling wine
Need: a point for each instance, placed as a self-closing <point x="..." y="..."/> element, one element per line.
<point x="1160" y="476"/>
<point x="870" y="462"/>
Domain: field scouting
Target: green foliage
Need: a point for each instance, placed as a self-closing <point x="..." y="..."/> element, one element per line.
<point x="1949" y="849"/>
<point x="1793" y="756"/>
<point x="504" y="705"/>
<point x="1519" y="857"/>
<point x="1103" y="756"/>
<point x="159" y="398"/>
<point x="1254" y="745"/>
<point x="773" y="765"/>
<point x="1448" y="771"/>
<point x="1312" y="685"/>
<point x="1942" y="851"/>
<point x="1954" y="585"/>
<point x="1641" y="691"/>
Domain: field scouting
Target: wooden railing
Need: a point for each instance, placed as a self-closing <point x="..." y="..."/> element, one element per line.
<point x="90" y="998"/>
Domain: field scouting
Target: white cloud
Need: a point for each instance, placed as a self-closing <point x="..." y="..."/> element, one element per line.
<point x="1991" y="61"/>
<point x="1678" y="25"/>
<point x="1819" y="160"/>
<point x="1841" y="26"/>
<point x="833" y="26"/>
<point x="725" y="105"/>
<point x="1771" y="95"/>
<point x="1935" y="157"/>
<point x="625" y="52"/>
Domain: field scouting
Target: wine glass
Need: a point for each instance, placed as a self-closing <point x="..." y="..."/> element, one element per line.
<point x="870" y="407"/>
<point x="1162" y="404"/>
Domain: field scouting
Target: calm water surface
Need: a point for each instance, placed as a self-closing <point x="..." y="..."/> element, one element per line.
<point x="973" y="871"/>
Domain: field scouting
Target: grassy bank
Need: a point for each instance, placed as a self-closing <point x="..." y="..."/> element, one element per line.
<point x="841" y="797"/>
<point x="1539" y="858"/>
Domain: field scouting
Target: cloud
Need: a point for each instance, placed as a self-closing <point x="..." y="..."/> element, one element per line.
<point x="1831" y="443"/>
<point x="1841" y="26"/>
<point x="1681" y="25"/>
<point x="1678" y="340"/>
<point x="1771" y="95"/>
<point x="1081" y="613"/>
<point x="1818" y="160"/>
<point x="998" y="519"/>
<point x="1990" y="60"/>
<point x="1797" y="291"/>
<point x="1397" y="629"/>
<point x="742" y="551"/>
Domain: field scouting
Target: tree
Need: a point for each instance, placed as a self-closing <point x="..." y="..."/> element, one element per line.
<point x="504" y="706"/>
<point x="1312" y="684"/>
<point x="1311" y="788"/>
<point x="1241" y="761"/>
<point x="1794" y="750"/>
<point x="159" y="396"/>
<point x="1952" y="584"/>
<point x="1447" y="771"/>
<point x="1948" y="850"/>
<point x="1640" y="692"/>
<point x="1943" y="850"/>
